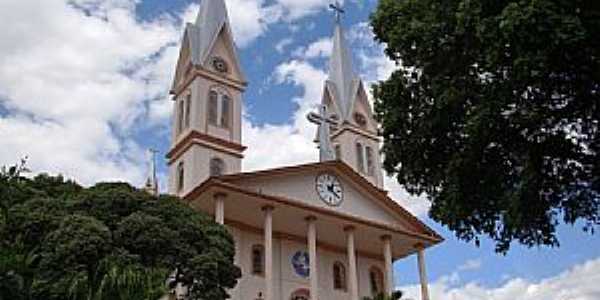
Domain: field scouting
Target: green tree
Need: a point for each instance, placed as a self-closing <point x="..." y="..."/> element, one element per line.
<point x="110" y="241"/>
<point x="495" y="113"/>
<point x="397" y="295"/>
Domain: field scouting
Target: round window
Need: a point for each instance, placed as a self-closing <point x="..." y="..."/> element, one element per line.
<point x="301" y="264"/>
<point x="360" y="119"/>
<point x="219" y="64"/>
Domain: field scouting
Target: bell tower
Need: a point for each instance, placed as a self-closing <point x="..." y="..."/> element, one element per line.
<point x="207" y="102"/>
<point x="354" y="139"/>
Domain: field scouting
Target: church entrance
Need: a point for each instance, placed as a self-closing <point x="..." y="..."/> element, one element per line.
<point x="302" y="294"/>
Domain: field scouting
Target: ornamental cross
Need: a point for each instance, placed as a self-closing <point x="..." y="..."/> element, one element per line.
<point x="338" y="10"/>
<point x="326" y="152"/>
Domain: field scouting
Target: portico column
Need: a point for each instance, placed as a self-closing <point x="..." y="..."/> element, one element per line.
<point x="422" y="273"/>
<point x="268" y="233"/>
<point x="312" y="257"/>
<point x="352" y="273"/>
<point x="389" y="271"/>
<point x="220" y="208"/>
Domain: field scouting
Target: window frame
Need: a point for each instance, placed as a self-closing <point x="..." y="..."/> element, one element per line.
<point x="337" y="148"/>
<point x="260" y="270"/>
<point x="213" y="107"/>
<point x="369" y="157"/>
<point x="220" y="109"/>
<point x="341" y="283"/>
<point x="376" y="280"/>
<point x="213" y="164"/>
<point x="187" y="111"/>
<point x="180" y="115"/>
<point x="360" y="157"/>
<point x="180" y="176"/>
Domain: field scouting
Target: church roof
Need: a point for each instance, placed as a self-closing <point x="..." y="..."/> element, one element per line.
<point x="211" y="19"/>
<point x="343" y="81"/>
<point x="202" y="35"/>
<point x="377" y="193"/>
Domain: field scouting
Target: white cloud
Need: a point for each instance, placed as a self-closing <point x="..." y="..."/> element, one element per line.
<point x="470" y="265"/>
<point x="578" y="283"/>
<point x="279" y="145"/>
<point x="283" y="44"/>
<point x="417" y="205"/>
<point x="76" y="77"/>
<point x="249" y="20"/>
<point x="320" y="48"/>
<point x="296" y="9"/>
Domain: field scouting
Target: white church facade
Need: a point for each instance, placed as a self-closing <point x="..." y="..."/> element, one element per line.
<point x="325" y="230"/>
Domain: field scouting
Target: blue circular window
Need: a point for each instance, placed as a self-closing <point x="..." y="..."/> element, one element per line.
<point x="301" y="264"/>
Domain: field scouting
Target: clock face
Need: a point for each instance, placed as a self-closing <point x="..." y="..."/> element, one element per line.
<point x="330" y="189"/>
<point x="219" y="64"/>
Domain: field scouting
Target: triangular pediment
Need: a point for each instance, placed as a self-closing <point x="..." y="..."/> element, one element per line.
<point x="223" y="47"/>
<point x="361" y="199"/>
<point x="361" y="105"/>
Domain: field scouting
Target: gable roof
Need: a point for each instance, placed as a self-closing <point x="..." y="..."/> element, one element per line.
<point x="378" y="194"/>
<point x="343" y="83"/>
<point x="202" y="35"/>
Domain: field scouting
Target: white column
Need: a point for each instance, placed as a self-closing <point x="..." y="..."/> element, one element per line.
<point x="220" y="208"/>
<point x="268" y="210"/>
<point x="312" y="257"/>
<point x="352" y="273"/>
<point x="423" y="274"/>
<point x="389" y="271"/>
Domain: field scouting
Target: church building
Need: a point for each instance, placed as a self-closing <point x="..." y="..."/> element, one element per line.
<point x="325" y="230"/>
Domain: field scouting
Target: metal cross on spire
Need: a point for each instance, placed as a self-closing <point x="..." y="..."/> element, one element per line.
<point x="326" y="152"/>
<point x="337" y="8"/>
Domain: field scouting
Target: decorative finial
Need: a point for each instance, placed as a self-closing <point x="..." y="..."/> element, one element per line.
<point x="338" y="10"/>
<point x="152" y="182"/>
<point x="326" y="152"/>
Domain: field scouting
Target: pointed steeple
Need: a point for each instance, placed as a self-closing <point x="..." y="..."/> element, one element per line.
<point x="209" y="23"/>
<point x="151" y="185"/>
<point x="200" y="37"/>
<point x="343" y="81"/>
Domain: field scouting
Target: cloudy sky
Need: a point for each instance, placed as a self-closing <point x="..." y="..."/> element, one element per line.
<point x="83" y="93"/>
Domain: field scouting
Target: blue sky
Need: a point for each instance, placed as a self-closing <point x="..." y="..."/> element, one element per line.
<point x="83" y="92"/>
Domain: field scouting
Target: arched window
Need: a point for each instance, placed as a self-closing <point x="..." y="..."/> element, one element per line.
<point x="217" y="167"/>
<point x="213" y="107"/>
<point x="370" y="167"/>
<point x="339" y="276"/>
<point x="180" y="176"/>
<point x="225" y="107"/>
<point x="360" y="157"/>
<point x="188" y="109"/>
<point x="376" y="280"/>
<point x="258" y="260"/>
<point x="219" y="108"/>
<point x="180" y="114"/>
<point x="338" y="152"/>
<point x="301" y="294"/>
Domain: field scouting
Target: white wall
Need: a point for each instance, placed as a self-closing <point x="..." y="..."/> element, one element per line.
<point x="301" y="187"/>
<point x="286" y="280"/>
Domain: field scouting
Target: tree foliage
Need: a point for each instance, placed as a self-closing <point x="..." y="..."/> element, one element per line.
<point x="59" y="240"/>
<point x="396" y="295"/>
<point x="495" y="113"/>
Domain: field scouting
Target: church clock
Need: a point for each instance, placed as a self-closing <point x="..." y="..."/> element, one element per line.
<point x="329" y="189"/>
<point x="219" y="64"/>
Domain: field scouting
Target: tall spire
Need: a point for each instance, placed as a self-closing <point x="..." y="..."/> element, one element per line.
<point x="152" y="182"/>
<point x="342" y="79"/>
<point x="210" y="21"/>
